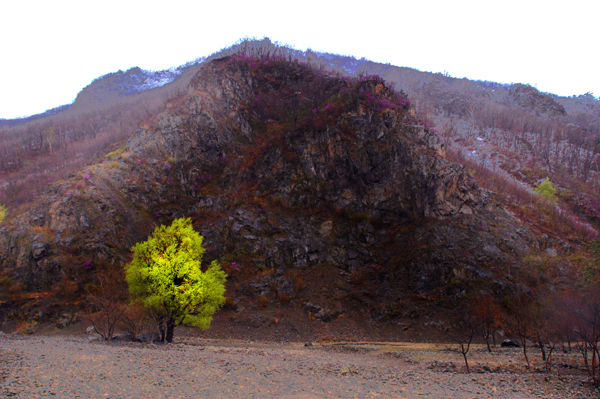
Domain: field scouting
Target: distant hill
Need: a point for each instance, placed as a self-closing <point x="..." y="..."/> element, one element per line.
<point x="108" y="88"/>
<point x="18" y="121"/>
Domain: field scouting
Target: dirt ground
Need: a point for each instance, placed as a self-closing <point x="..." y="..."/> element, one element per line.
<point x="76" y="366"/>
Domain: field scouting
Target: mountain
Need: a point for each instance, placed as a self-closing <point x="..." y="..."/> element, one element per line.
<point x="313" y="189"/>
<point x="108" y="88"/>
<point x="319" y="191"/>
<point x="47" y="113"/>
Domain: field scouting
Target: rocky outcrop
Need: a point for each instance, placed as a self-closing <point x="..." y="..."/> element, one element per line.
<point x="309" y="187"/>
<point x="533" y="100"/>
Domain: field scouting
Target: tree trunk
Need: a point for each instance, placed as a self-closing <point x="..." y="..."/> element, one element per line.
<point x="549" y="357"/>
<point x="542" y="348"/>
<point x="466" y="362"/>
<point x="525" y="352"/>
<point x="594" y="365"/>
<point x="584" y="353"/>
<point x="161" y="330"/>
<point x="170" y="329"/>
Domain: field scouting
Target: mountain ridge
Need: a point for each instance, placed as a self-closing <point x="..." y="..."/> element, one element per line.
<point x="136" y="80"/>
<point x="289" y="173"/>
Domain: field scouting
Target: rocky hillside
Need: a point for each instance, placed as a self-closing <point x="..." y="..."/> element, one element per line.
<point x="312" y="188"/>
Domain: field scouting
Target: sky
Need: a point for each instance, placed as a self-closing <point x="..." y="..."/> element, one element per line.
<point x="53" y="49"/>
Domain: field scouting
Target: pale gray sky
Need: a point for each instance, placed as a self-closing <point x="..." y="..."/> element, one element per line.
<point x="52" y="49"/>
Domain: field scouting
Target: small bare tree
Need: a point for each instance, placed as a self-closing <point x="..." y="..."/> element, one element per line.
<point x="587" y="315"/>
<point x="547" y="327"/>
<point x="106" y="307"/>
<point x="136" y="320"/>
<point x="464" y="324"/>
<point x="488" y="313"/>
<point x="520" y="320"/>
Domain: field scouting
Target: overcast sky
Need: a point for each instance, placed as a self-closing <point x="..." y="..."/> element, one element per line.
<point x="52" y="49"/>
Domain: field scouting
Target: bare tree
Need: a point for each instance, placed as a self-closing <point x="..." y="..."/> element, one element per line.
<point x="462" y="329"/>
<point x="547" y="327"/>
<point x="520" y="320"/>
<point x="136" y="320"/>
<point x="587" y="318"/>
<point x="107" y="307"/>
<point x="488" y="313"/>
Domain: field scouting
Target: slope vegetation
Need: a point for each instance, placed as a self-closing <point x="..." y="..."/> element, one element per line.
<point x="312" y="188"/>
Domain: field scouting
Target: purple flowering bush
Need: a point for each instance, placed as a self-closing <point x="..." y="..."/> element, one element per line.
<point x="293" y="98"/>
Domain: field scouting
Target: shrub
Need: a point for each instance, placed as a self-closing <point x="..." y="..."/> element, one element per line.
<point x="2" y="213"/>
<point x="546" y="190"/>
<point x="114" y="153"/>
<point x="298" y="281"/>
<point x="230" y="303"/>
<point x="6" y="281"/>
<point x="263" y="300"/>
<point x="283" y="297"/>
<point x="359" y="216"/>
<point x="137" y="321"/>
<point x="106" y="307"/>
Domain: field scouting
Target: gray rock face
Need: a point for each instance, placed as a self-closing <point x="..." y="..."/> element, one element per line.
<point x="362" y="194"/>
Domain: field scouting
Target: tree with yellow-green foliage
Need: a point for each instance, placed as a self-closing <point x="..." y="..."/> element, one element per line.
<point x="546" y="190"/>
<point x="2" y="213"/>
<point x="165" y="275"/>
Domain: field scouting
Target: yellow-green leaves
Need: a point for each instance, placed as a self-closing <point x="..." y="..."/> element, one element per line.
<point x="2" y="213"/>
<point x="166" y="276"/>
<point x="546" y="190"/>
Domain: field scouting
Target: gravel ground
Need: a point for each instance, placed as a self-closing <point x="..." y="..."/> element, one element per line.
<point x="72" y="367"/>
